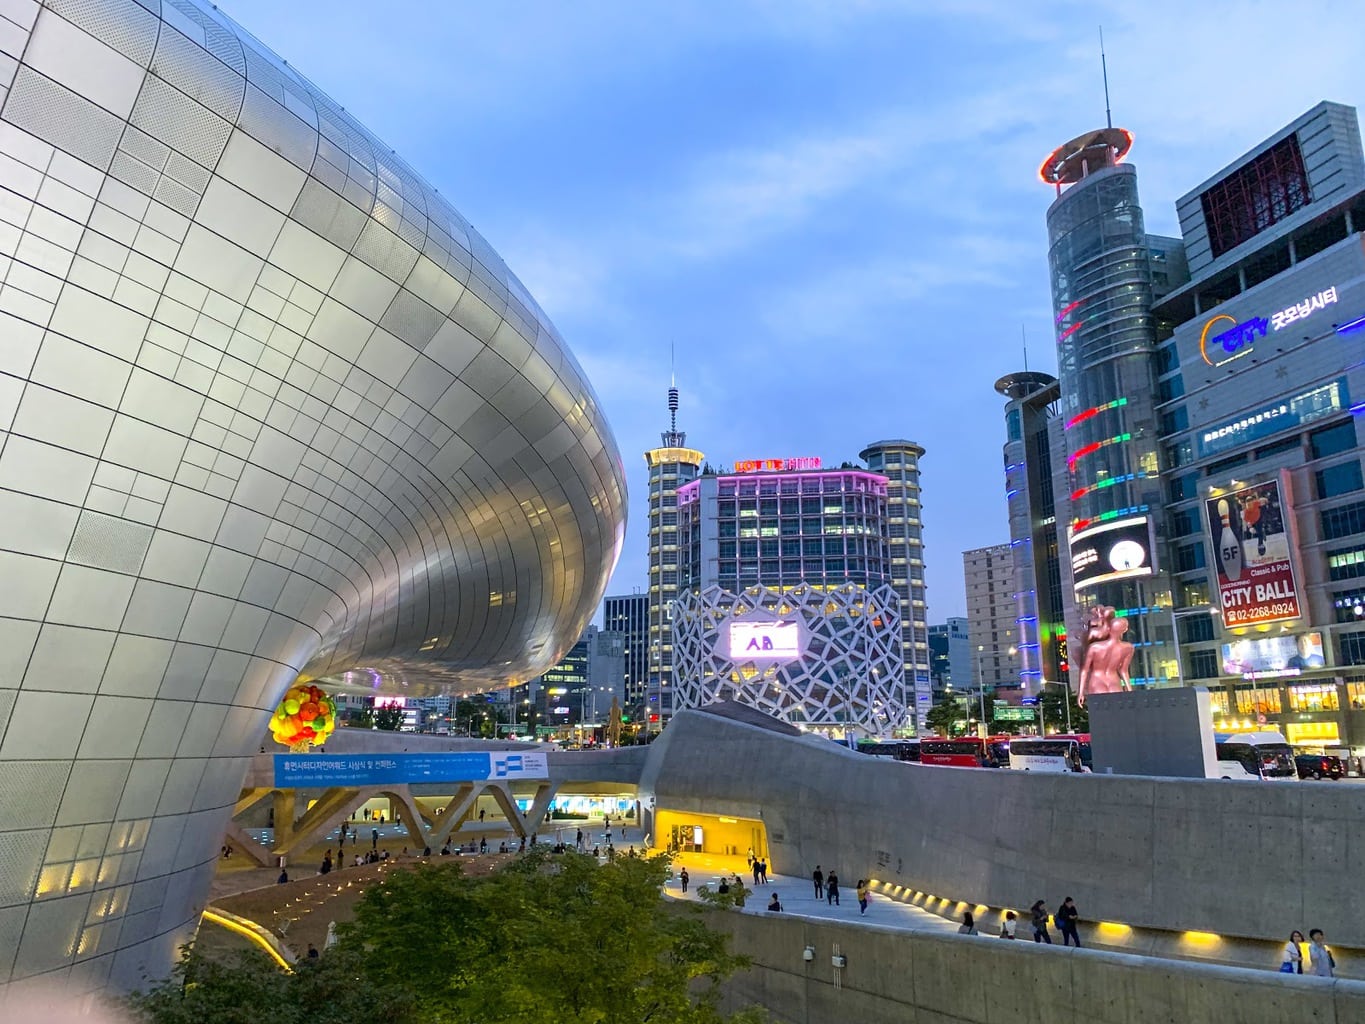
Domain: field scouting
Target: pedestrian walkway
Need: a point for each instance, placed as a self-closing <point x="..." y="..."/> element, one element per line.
<point x="797" y="896"/>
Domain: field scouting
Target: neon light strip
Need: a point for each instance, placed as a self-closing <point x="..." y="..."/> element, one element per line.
<point x="248" y="933"/>
<point x="1354" y="325"/>
<point x="1076" y="495"/>
<point x="1090" y="449"/>
<point x="1062" y="315"/>
<point x="1082" y="417"/>
<point x="1070" y="330"/>
<point x="1077" y="525"/>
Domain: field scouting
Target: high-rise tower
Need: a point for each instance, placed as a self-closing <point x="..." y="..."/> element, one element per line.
<point x="671" y="465"/>
<point x="1100" y="260"/>
<point x="898" y="461"/>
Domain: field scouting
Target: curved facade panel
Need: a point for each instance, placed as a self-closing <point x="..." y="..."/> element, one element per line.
<point x="269" y="406"/>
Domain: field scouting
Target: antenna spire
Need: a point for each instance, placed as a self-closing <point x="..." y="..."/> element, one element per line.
<point x="1104" y="69"/>
<point x="673" y="437"/>
<point x="1023" y="337"/>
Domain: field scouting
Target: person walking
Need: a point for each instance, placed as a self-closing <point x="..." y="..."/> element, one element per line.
<point x="1293" y="954"/>
<point x="481" y="814"/>
<point x="968" y="925"/>
<point x="1007" y="926"/>
<point x="1038" y="914"/>
<point x="818" y="877"/>
<point x="374" y="839"/>
<point x="684" y="878"/>
<point x="757" y="868"/>
<point x="1067" y="915"/>
<point x="832" y="889"/>
<point x="1320" y="959"/>
<point x="763" y="870"/>
<point x="861" y="890"/>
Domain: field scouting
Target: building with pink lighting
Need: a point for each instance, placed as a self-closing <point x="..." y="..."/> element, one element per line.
<point x="787" y="599"/>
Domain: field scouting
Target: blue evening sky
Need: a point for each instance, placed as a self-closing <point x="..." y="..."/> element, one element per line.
<point x="832" y="209"/>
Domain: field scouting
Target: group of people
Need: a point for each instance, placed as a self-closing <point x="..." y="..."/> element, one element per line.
<point x="828" y="888"/>
<point x="360" y="859"/>
<point x="759" y="867"/>
<point x="1065" y="919"/>
<point x="1320" y="959"/>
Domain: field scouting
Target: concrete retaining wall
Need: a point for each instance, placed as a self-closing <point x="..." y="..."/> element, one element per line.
<point x="1245" y="859"/>
<point x="901" y="977"/>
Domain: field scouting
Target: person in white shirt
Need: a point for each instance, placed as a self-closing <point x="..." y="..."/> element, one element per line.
<point x="1293" y="954"/>
<point x="1319" y="956"/>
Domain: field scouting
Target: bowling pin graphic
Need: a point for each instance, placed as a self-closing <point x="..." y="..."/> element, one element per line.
<point x="1229" y="546"/>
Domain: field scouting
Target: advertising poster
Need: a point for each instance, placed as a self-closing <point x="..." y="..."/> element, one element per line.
<point x="1113" y="551"/>
<point x="780" y="641"/>
<point x="1284" y="655"/>
<point x="1253" y="559"/>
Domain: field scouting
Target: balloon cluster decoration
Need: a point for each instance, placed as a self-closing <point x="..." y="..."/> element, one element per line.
<point x="306" y="717"/>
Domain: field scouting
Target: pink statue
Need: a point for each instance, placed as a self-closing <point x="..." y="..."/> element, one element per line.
<point x="1104" y="665"/>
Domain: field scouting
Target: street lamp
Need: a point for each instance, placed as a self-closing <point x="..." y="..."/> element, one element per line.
<point x="981" y="680"/>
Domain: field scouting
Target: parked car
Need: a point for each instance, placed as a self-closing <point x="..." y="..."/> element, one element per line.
<point x="1319" y="766"/>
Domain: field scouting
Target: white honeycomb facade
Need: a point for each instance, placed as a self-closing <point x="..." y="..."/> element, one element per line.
<point x="847" y="679"/>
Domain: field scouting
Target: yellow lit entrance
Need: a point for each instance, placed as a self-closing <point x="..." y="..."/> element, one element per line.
<point x="684" y="832"/>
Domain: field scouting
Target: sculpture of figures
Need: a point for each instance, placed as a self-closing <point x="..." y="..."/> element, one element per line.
<point x="1104" y="665"/>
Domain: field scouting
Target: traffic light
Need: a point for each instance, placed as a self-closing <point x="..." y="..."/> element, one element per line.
<point x="654" y="717"/>
<point x="625" y="718"/>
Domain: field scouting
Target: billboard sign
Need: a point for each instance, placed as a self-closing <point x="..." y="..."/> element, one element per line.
<point x="1253" y="559"/>
<point x="1263" y="656"/>
<point x="756" y="641"/>
<point x="326" y="770"/>
<point x="1113" y="551"/>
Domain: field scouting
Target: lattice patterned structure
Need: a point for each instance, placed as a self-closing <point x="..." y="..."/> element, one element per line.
<point x="851" y="672"/>
<point x="268" y="406"/>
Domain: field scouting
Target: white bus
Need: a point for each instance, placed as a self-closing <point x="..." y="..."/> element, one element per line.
<point x="1048" y="754"/>
<point x="1255" y="755"/>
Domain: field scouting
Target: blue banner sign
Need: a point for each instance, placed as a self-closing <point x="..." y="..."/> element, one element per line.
<point x="325" y="770"/>
<point x="1271" y="419"/>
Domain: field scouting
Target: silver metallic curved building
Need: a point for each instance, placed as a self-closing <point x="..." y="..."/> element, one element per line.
<point x="269" y="406"/>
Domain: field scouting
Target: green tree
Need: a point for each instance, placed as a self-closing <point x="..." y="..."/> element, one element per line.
<point x="947" y="718"/>
<point x="246" y="988"/>
<point x="555" y="939"/>
<point x="388" y="717"/>
<point x="360" y="718"/>
<point x="545" y="939"/>
<point x="1053" y="702"/>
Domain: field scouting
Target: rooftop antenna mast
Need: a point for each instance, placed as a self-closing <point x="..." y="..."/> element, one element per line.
<point x="1104" y="69"/>
<point x="672" y="437"/>
<point x="1023" y="337"/>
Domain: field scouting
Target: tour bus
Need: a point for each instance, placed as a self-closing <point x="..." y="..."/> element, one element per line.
<point x="899" y="750"/>
<point x="1061" y="753"/>
<point x="1255" y="755"/>
<point x="966" y="751"/>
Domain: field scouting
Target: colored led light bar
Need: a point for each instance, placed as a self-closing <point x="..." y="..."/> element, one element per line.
<point x="1071" y="330"/>
<point x="1108" y="482"/>
<point x="1083" y="416"/>
<point x="1090" y="449"/>
<point x="1354" y="325"/>
<point x="1062" y="315"/>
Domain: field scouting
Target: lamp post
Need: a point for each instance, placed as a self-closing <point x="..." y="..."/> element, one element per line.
<point x="981" y="681"/>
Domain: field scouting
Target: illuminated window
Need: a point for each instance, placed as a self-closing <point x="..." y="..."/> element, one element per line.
<point x="1258" y="701"/>
<point x="1314" y="698"/>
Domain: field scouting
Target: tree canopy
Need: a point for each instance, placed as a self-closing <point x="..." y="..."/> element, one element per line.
<point x="554" y="938"/>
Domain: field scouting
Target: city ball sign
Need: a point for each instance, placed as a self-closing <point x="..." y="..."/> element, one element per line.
<point x="756" y="641"/>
